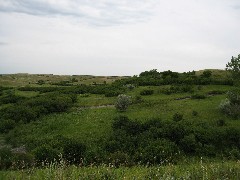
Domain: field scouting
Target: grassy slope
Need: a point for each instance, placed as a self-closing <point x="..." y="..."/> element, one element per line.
<point x="15" y="80"/>
<point x="92" y="124"/>
<point x="23" y="79"/>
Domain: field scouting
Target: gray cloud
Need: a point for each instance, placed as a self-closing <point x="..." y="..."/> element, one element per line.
<point x="3" y="43"/>
<point x="94" y="12"/>
<point x="51" y="36"/>
<point x="236" y="7"/>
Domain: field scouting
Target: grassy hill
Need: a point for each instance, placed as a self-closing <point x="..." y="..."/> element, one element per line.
<point x="23" y="79"/>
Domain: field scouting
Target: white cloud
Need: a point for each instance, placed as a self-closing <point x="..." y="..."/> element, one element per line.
<point x="110" y="37"/>
<point x="94" y="12"/>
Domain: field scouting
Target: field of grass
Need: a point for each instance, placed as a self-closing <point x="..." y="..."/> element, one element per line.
<point x="91" y="118"/>
<point x="90" y="121"/>
<point x="199" y="170"/>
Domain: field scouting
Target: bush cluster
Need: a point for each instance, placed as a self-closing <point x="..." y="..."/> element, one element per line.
<point x="132" y="142"/>
<point x="158" y="142"/>
<point x="154" y="78"/>
<point x="178" y="89"/>
<point x="109" y="90"/>
<point x="146" y="92"/>
<point x="14" y="160"/>
<point x="30" y="109"/>
<point x="67" y="149"/>
<point x="10" y="98"/>
<point x="231" y="105"/>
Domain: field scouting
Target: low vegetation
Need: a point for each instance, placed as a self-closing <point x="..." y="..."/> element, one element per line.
<point x="146" y="126"/>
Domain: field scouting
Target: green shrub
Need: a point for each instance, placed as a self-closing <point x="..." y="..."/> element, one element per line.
<point x="161" y="151"/>
<point x="130" y="86"/>
<point x="6" y="157"/>
<point x="74" y="80"/>
<point x="146" y="92"/>
<point x="74" y="151"/>
<point x="221" y="122"/>
<point x="206" y="74"/>
<point x="231" y="105"/>
<point x="123" y="101"/>
<point x="19" y="113"/>
<point x="198" y="96"/>
<point x="6" y="125"/>
<point x="234" y="154"/>
<point x="189" y="144"/>
<point x="40" y="82"/>
<point x="112" y="93"/>
<point x="45" y="154"/>
<point x="177" y="117"/>
<point x="30" y="109"/>
<point x="138" y="99"/>
<point x="10" y="98"/>
<point x="23" y="160"/>
<point x="216" y="92"/>
<point x="234" y="96"/>
<point x="178" y="89"/>
<point x="118" y="159"/>
<point x="194" y="113"/>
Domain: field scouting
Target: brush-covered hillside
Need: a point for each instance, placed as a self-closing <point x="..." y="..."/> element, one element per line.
<point x="156" y="124"/>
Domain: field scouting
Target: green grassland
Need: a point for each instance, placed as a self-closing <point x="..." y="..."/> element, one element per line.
<point x="23" y="79"/>
<point x="91" y="117"/>
<point x="89" y="120"/>
<point x="200" y="170"/>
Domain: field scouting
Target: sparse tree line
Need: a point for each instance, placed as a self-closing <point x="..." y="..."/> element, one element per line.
<point x="155" y="78"/>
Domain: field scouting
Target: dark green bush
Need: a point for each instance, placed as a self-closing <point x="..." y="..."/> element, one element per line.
<point x="142" y="141"/>
<point x="146" y="92"/>
<point x="40" y="82"/>
<point x="45" y="154"/>
<point x="189" y="143"/>
<point x="177" y="117"/>
<point x="6" y="158"/>
<point x="119" y="159"/>
<point x="74" y="151"/>
<point x="23" y="160"/>
<point x="161" y="151"/>
<point x="206" y="74"/>
<point x="6" y="125"/>
<point x="137" y="99"/>
<point x="234" y="154"/>
<point x="178" y="89"/>
<point x="198" y="96"/>
<point x="221" y="122"/>
<point x="216" y="92"/>
<point x="19" y="113"/>
<point x="10" y="98"/>
<point x="112" y="93"/>
<point x="194" y="113"/>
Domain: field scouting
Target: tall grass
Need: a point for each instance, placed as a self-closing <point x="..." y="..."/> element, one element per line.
<point x="200" y="170"/>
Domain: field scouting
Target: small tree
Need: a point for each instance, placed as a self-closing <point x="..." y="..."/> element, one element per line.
<point x="123" y="101"/>
<point x="234" y="67"/>
<point x="206" y="74"/>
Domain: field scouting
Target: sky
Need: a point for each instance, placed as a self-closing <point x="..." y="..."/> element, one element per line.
<point x="117" y="37"/>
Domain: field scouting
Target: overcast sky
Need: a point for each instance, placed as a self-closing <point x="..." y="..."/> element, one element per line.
<point x="117" y="37"/>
